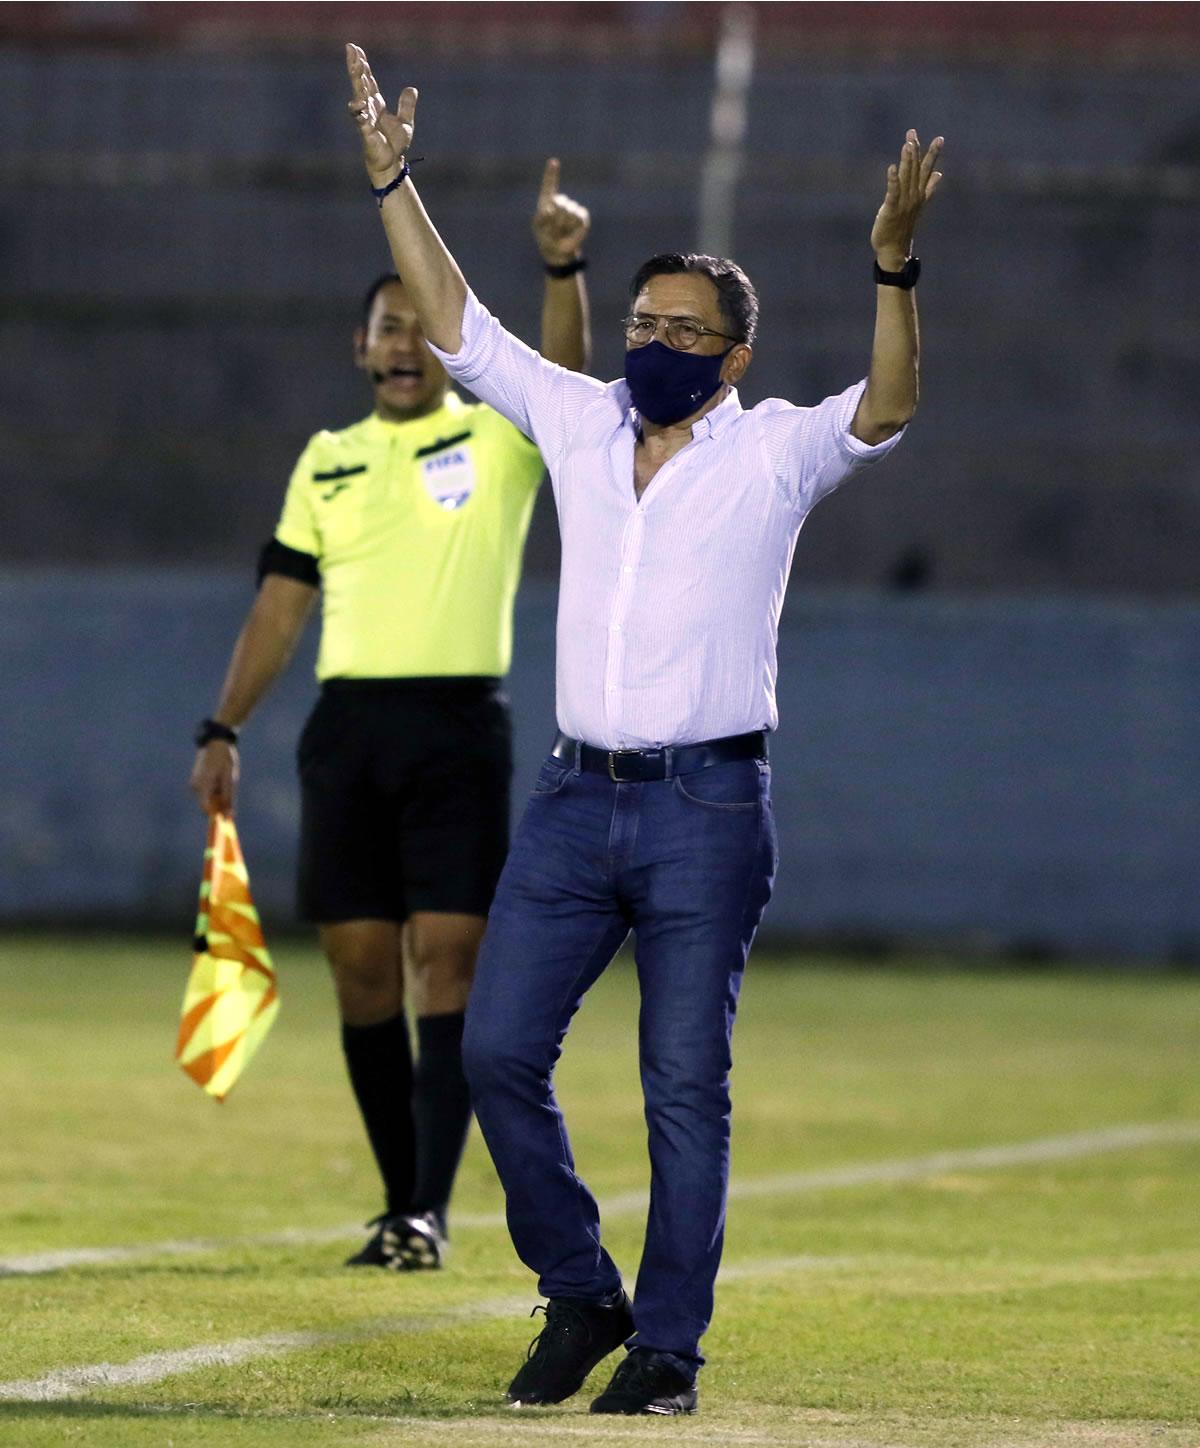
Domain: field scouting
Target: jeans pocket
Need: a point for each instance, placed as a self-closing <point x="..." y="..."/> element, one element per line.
<point x="553" y="774"/>
<point x="735" y="786"/>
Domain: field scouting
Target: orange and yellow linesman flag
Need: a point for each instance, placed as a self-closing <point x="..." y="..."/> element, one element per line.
<point x="231" y="998"/>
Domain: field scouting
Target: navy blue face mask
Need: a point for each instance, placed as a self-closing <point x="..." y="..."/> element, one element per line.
<point x="667" y="385"/>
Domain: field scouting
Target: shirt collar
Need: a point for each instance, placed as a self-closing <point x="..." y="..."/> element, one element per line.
<point x="713" y="423"/>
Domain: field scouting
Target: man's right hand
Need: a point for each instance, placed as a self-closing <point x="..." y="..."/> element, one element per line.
<point x="215" y="776"/>
<point x="386" y="138"/>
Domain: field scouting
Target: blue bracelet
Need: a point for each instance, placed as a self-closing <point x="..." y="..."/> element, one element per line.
<point x="379" y="192"/>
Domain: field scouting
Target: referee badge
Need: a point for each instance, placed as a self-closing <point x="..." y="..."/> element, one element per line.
<point x="449" y="478"/>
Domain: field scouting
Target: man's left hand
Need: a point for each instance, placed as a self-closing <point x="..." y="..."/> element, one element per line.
<point x="910" y="184"/>
<point x="386" y="138"/>
<point x="559" y="224"/>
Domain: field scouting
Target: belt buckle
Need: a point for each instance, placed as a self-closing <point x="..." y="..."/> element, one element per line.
<point x="613" y="756"/>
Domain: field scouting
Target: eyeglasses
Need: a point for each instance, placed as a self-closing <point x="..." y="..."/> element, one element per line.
<point x="682" y="333"/>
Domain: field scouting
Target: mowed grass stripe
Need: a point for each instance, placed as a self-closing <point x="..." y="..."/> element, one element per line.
<point x="809" y="1429"/>
<point x="801" y="1429"/>
<point x="74" y="1382"/>
<point x="987" y="1158"/>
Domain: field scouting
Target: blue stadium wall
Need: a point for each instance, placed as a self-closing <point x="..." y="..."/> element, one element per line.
<point x="982" y="774"/>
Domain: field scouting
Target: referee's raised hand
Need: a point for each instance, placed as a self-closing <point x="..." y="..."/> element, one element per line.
<point x="386" y="138"/>
<point x="560" y="225"/>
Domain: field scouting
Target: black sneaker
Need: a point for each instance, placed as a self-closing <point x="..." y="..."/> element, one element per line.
<point x="402" y="1243"/>
<point x="576" y="1336"/>
<point x="414" y="1243"/>
<point x="648" y="1382"/>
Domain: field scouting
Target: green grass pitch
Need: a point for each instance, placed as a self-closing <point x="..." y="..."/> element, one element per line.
<point x="948" y="1304"/>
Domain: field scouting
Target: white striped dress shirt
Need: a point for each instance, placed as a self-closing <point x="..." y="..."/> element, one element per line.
<point x="668" y="606"/>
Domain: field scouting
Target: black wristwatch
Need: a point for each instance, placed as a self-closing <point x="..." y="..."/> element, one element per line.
<point x="905" y="278"/>
<point x="565" y="268"/>
<point x="209" y="729"/>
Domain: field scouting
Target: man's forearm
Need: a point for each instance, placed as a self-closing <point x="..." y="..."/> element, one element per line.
<point x="892" y="383"/>
<point x="432" y="279"/>
<point x="265" y="645"/>
<point x="430" y="274"/>
<point x="890" y="398"/>
<point x="566" y="323"/>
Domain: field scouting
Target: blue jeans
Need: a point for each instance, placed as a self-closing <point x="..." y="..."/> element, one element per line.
<point x="687" y="864"/>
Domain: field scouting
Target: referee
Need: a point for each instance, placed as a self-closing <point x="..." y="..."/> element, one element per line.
<point x="410" y="525"/>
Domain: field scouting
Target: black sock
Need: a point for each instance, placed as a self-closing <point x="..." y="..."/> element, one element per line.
<point x="380" y="1061"/>
<point x="441" y="1110"/>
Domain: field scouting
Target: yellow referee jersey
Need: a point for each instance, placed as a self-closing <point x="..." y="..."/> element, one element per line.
<point x="418" y="529"/>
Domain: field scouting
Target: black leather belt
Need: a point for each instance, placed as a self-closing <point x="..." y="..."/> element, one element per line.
<point x="633" y="766"/>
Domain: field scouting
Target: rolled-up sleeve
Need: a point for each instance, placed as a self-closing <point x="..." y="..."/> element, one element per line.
<point x="812" y="450"/>
<point x="539" y="397"/>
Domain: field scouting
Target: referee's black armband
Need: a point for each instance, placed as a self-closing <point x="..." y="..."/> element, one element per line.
<point x="277" y="557"/>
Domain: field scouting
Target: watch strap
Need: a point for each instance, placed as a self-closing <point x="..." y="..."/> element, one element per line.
<point x="905" y="278"/>
<point x="209" y="729"/>
<point x="566" y="268"/>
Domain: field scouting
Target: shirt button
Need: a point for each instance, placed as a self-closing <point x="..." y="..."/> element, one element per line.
<point x="627" y="569"/>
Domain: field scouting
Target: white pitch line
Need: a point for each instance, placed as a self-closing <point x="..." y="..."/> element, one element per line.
<point x="871" y="1173"/>
<point x="982" y="1158"/>
<point x="55" y="1261"/>
<point x="154" y="1366"/>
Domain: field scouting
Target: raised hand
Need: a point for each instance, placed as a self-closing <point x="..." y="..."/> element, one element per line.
<point x="386" y="138"/>
<point x="910" y="184"/>
<point x="559" y="224"/>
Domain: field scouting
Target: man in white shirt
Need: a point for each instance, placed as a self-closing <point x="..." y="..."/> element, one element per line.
<point x="679" y="513"/>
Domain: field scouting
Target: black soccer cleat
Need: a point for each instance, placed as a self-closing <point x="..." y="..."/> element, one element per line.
<point x="414" y="1243"/>
<point x="372" y="1253"/>
<point x="402" y="1242"/>
<point x="576" y="1336"/>
<point x="648" y="1382"/>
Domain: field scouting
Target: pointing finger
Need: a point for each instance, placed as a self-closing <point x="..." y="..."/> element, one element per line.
<point x="549" y="187"/>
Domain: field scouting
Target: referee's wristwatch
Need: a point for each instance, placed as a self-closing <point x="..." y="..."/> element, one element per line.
<point x="209" y="729"/>
<point x="905" y="278"/>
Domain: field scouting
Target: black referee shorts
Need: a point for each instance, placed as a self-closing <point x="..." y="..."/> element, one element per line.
<point x="404" y="798"/>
